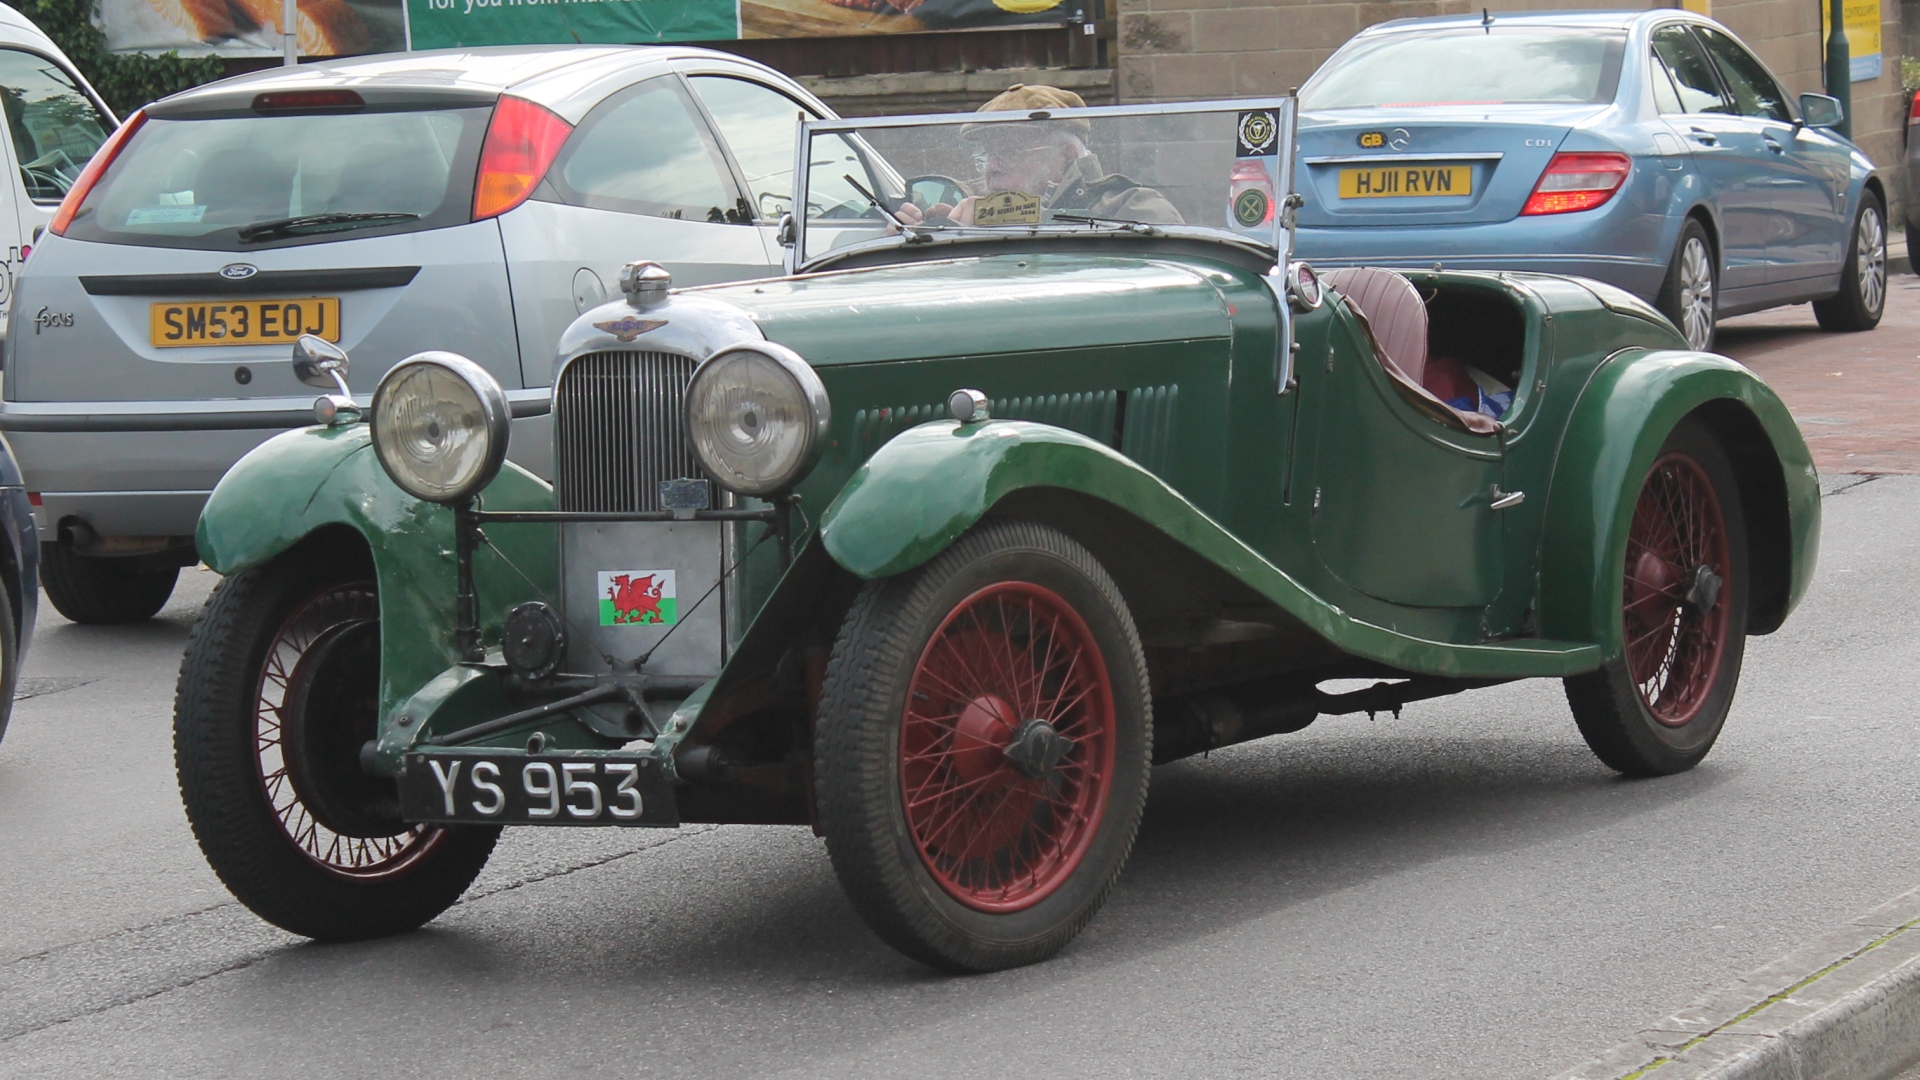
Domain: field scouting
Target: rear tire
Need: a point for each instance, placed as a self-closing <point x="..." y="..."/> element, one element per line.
<point x="982" y="750"/>
<point x="1691" y="294"/>
<point x="9" y="661"/>
<point x="278" y="690"/>
<point x="1657" y="709"/>
<point x="1862" y="298"/>
<point x="102" y="592"/>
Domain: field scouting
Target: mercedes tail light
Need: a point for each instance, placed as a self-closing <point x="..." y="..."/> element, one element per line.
<point x="1913" y="111"/>
<point x="1578" y="181"/>
<point x="522" y="139"/>
<point x="90" y="175"/>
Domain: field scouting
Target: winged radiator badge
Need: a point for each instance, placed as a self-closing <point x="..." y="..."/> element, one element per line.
<point x="627" y="328"/>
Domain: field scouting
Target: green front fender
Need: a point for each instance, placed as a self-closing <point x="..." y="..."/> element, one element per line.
<point x="921" y="491"/>
<point x="1627" y="410"/>
<point x="302" y="483"/>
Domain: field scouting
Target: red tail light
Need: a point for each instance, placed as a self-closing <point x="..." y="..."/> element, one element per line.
<point x="1578" y="181"/>
<point x="1913" y="111"/>
<point x="90" y="175"/>
<point x="522" y="139"/>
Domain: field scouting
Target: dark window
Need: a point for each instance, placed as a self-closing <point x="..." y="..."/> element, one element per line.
<point x="1693" y="75"/>
<point x="646" y="151"/>
<point x="760" y="125"/>
<point x="55" y="126"/>
<point x="1754" y="91"/>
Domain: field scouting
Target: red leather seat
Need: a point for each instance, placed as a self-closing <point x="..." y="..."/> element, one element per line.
<point x="1396" y="317"/>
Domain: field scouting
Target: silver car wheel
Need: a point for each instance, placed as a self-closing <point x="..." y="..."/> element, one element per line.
<point x="1696" y="292"/>
<point x="1870" y="247"/>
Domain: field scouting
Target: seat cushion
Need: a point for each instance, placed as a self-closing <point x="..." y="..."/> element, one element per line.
<point x="1394" y="310"/>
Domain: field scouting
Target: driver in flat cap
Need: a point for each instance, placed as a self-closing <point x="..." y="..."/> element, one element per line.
<point x="1050" y="159"/>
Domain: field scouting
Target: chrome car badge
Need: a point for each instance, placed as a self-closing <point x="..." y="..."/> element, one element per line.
<point x="627" y="328"/>
<point x="1398" y="138"/>
<point x="238" y="271"/>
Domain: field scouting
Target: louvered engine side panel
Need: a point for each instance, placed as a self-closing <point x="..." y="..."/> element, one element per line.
<point x="618" y="430"/>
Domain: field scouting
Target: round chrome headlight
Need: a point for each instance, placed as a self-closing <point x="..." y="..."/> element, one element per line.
<point x="757" y="417"/>
<point x="440" y="426"/>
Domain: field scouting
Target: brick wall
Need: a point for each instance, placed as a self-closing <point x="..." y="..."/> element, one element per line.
<point x="1170" y="50"/>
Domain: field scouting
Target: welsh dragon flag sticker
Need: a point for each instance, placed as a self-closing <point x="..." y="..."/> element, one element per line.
<point x="638" y="596"/>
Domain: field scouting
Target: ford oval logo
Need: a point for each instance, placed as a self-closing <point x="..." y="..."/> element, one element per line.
<point x="238" y="271"/>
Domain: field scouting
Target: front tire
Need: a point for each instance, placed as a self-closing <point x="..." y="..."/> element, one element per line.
<point x="102" y="591"/>
<point x="982" y="750"/>
<point x="278" y="690"/>
<point x="1657" y="709"/>
<point x="1862" y="298"/>
<point x="1690" y="295"/>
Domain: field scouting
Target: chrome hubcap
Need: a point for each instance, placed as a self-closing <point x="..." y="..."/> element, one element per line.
<point x="1872" y="247"/>
<point x="1696" y="292"/>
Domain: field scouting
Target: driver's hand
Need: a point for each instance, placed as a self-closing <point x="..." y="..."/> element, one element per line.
<point x="908" y="212"/>
<point x="963" y="213"/>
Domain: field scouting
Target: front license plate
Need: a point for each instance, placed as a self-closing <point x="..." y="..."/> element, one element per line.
<point x="551" y="789"/>
<point x="1407" y="182"/>
<point x="243" y="322"/>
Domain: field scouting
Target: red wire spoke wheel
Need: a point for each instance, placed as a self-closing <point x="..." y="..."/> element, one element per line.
<point x="1677" y="564"/>
<point x="316" y="637"/>
<point x="279" y="689"/>
<point x="1006" y="746"/>
<point x="980" y="759"/>
<point x="1659" y="706"/>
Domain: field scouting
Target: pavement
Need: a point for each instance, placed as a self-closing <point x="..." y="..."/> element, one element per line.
<point x="1462" y="891"/>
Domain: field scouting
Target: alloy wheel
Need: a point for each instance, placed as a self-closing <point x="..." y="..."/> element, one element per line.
<point x="1871" y="248"/>
<point x="1696" y="292"/>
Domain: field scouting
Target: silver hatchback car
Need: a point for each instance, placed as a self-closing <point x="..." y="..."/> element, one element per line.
<point x="474" y="200"/>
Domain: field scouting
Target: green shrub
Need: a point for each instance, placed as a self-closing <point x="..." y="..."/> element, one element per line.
<point x="127" y="81"/>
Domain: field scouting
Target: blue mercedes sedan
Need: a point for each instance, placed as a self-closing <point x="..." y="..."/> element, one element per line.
<point x="1650" y="150"/>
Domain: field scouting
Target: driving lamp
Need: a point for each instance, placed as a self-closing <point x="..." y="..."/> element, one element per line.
<point x="757" y="417"/>
<point x="440" y="426"/>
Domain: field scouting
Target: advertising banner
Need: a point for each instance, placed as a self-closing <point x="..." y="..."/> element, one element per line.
<point x="252" y="27"/>
<point x="437" y="24"/>
<point x="1863" y="35"/>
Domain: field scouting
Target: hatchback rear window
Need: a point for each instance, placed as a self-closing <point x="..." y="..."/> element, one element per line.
<point x="1472" y="67"/>
<point x="247" y="182"/>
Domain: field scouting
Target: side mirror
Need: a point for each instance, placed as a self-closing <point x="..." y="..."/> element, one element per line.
<point x="319" y="362"/>
<point x="1821" y="111"/>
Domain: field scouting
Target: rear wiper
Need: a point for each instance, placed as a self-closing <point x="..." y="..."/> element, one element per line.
<point x="318" y="223"/>
<point x="1140" y="227"/>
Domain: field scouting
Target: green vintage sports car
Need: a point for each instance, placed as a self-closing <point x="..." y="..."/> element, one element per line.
<point x="940" y="542"/>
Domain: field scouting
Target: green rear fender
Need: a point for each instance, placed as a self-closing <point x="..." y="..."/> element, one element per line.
<point x="307" y="485"/>
<point x="921" y="491"/>
<point x="1629" y="407"/>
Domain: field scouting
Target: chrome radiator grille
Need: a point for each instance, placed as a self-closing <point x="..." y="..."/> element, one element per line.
<point x="618" y="432"/>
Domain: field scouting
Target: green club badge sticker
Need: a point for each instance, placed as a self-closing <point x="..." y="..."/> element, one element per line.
<point x="1250" y="208"/>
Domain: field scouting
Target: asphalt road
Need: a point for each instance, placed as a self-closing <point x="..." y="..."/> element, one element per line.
<point x="1463" y="891"/>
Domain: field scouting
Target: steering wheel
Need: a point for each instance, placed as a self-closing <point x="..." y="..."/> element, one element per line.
<point x="933" y="189"/>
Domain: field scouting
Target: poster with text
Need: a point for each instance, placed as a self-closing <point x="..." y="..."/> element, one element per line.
<point x="1862" y="21"/>
<point x="252" y="27"/>
<point x="438" y="24"/>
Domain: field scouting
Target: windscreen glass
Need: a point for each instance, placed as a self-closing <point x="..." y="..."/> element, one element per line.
<point x="1474" y="66"/>
<point x="1066" y="171"/>
<point x="239" y="183"/>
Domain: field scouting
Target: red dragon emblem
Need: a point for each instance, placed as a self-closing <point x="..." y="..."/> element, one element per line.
<point x="635" y="600"/>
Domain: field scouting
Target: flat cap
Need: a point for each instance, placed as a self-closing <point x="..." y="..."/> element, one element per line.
<point x="1023" y="98"/>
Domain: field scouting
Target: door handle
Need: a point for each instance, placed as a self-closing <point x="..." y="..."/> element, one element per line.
<point x="1705" y="137"/>
<point x="1772" y="145"/>
<point x="1501" y="500"/>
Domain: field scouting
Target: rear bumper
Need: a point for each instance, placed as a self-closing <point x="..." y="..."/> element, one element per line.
<point x="1615" y="247"/>
<point x="145" y="468"/>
